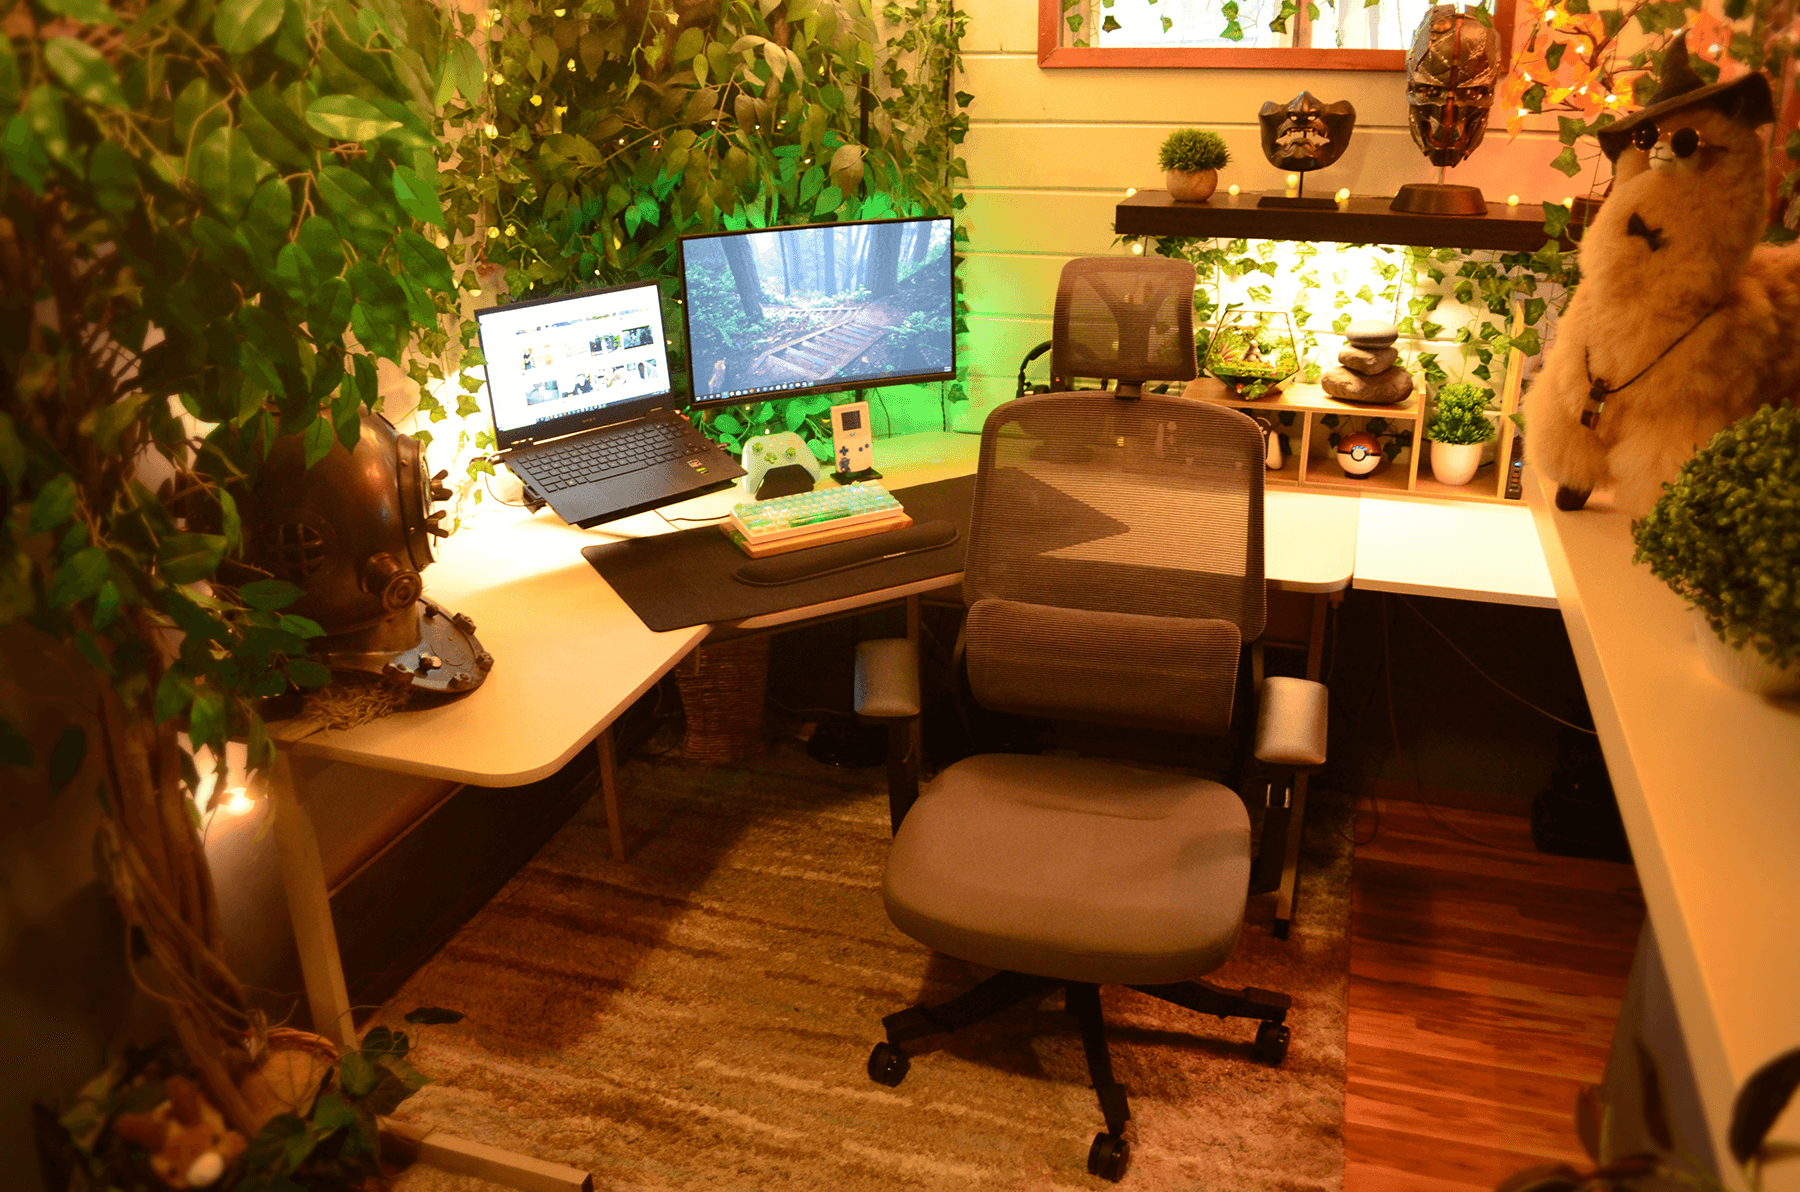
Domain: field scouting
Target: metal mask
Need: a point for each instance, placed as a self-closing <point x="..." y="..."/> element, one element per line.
<point x="1450" y="76"/>
<point x="1306" y="134"/>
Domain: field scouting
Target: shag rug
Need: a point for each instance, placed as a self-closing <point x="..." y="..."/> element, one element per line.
<point x="699" y="1016"/>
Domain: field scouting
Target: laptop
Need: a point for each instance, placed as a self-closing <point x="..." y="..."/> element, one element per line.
<point x="584" y="412"/>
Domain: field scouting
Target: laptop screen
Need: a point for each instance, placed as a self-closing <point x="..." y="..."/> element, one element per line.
<point x="557" y="360"/>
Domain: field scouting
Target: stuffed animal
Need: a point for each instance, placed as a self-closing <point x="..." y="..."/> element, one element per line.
<point x="1682" y="322"/>
<point x="189" y="1143"/>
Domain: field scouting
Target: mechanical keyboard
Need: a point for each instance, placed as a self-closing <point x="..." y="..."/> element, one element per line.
<point x="773" y="527"/>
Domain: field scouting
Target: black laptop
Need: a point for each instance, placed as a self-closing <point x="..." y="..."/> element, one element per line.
<point x="584" y="413"/>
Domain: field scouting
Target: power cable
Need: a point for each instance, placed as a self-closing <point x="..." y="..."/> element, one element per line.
<point x="1459" y="652"/>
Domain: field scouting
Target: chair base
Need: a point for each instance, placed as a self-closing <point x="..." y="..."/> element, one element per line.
<point x="1110" y="1153"/>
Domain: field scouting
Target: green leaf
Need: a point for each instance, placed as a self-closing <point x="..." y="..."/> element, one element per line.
<point x="184" y="558"/>
<point x="174" y="693"/>
<point x="24" y="154"/>
<point x="1566" y="162"/>
<point x="328" y="310"/>
<point x="1556" y="219"/>
<point x="417" y="197"/>
<point x="424" y="261"/>
<point x="360" y="214"/>
<point x="318" y="440"/>
<point x="80" y="577"/>
<point x="55" y="502"/>
<point x="228" y="171"/>
<point x="358" y="1074"/>
<point x="320" y="241"/>
<point x="269" y="594"/>
<point x="66" y="756"/>
<point x="94" y="12"/>
<point x="307" y="673"/>
<point x="347" y="118"/>
<point x="242" y="25"/>
<point x="207" y="720"/>
<point x="109" y="422"/>
<point x="84" y="72"/>
<point x="114" y="178"/>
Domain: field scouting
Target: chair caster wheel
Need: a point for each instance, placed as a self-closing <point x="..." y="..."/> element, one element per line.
<point x="1109" y="1157"/>
<point x="888" y="1065"/>
<point x="1271" y="1043"/>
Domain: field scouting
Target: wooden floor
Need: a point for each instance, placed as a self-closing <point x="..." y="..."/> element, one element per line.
<point x="1484" y="985"/>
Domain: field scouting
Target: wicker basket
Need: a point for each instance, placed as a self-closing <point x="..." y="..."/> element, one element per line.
<point x="288" y="1074"/>
<point x="722" y="688"/>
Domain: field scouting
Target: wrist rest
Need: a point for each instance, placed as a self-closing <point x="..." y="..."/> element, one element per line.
<point x="842" y="556"/>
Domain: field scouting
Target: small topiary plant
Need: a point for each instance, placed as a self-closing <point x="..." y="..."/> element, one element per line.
<point x="1726" y="535"/>
<point x="1459" y="415"/>
<point x="1193" y="149"/>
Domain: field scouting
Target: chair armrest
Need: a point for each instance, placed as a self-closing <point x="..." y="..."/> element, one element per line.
<point x="1290" y="722"/>
<point x="887" y="679"/>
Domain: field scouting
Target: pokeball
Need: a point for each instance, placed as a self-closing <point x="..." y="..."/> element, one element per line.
<point x="1359" y="454"/>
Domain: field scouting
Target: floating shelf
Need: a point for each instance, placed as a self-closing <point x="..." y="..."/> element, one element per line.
<point x="1354" y="221"/>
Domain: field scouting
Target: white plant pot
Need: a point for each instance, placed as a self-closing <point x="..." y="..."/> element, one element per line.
<point x="1743" y="667"/>
<point x="1455" y="463"/>
<point x="1191" y="186"/>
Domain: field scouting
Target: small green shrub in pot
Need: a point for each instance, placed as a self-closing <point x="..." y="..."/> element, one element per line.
<point x="1191" y="159"/>
<point x="1459" y="416"/>
<point x="1726" y="534"/>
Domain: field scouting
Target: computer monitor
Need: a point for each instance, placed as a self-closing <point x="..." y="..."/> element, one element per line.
<point x="819" y="308"/>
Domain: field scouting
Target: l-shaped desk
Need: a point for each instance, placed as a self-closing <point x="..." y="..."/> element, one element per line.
<point x="571" y="657"/>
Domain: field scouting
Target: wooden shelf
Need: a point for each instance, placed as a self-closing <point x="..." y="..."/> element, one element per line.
<point x="1298" y="395"/>
<point x="1358" y="220"/>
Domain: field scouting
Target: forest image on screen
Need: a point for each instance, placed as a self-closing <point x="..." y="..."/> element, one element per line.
<point x="804" y="307"/>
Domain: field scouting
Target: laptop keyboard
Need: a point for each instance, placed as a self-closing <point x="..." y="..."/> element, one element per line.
<point x="566" y="465"/>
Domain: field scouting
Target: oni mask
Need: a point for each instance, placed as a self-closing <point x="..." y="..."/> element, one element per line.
<point x="1450" y="76"/>
<point x="1305" y="134"/>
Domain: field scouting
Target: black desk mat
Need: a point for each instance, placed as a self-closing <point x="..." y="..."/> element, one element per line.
<point x="687" y="578"/>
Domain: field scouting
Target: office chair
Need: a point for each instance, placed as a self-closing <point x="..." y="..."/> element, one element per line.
<point x="1114" y="573"/>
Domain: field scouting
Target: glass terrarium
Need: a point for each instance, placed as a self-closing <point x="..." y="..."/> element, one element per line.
<point x="1253" y="351"/>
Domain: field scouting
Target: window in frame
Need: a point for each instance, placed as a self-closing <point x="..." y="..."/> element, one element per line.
<point x="1269" y="34"/>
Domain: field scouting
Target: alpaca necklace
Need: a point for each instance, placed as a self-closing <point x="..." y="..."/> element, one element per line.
<point x="1599" y="390"/>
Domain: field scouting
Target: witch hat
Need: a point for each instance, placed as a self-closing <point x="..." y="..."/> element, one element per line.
<point x="1747" y="100"/>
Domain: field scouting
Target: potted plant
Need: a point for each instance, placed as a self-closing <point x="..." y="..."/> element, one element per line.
<point x="209" y="231"/>
<point x="1459" y="426"/>
<point x="1726" y="537"/>
<point x="1191" y="159"/>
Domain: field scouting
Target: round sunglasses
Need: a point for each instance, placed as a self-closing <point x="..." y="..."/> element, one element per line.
<point x="1683" y="142"/>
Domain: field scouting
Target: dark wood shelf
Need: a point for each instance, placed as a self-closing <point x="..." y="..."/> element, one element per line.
<point x="1354" y="221"/>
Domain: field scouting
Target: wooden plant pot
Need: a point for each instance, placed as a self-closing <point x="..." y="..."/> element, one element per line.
<point x="1191" y="186"/>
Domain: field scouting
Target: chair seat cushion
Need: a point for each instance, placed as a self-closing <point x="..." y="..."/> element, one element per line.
<point x="1073" y="868"/>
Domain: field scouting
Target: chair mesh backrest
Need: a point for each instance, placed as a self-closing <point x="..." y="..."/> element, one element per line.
<point x="1115" y="558"/>
<point x="1124" y="318"/>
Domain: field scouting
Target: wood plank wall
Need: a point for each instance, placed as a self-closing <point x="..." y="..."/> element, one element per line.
<point x="1051" y="151"/>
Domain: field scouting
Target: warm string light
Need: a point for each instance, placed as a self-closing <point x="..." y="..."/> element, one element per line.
<point x="1130" y="190"/>
<point x="237" y="802"/>
<point x="1512" y="200"/>
<point x="1293" y="182"/>
<point x="1343" y="195"/>
<point x="1232" y="190"/>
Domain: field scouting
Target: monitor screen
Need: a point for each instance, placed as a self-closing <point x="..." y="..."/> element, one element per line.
<point x="813" y="309"/>
<point x="561" y="358"/>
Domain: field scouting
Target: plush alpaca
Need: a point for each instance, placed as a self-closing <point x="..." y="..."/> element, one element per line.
<point x="1682" y="322"/>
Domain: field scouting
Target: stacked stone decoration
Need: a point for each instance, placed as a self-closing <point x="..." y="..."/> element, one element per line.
<point x="1368" y="371"/>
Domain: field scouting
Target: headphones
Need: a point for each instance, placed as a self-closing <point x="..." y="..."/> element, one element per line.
<point x="1024" y="364"/>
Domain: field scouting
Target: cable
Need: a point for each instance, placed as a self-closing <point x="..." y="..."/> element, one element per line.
<point x="703" y="521"/>
<point x="1551" y="715"/>
<point x="1410" y="762"/>
<point x="487" y="482"/>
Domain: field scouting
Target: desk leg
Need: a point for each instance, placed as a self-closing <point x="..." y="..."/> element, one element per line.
<point x="609" y="792"/>
<point x="915" y="755"/>
<point x="1287" y="893"/>
<point x="309" y="909"/>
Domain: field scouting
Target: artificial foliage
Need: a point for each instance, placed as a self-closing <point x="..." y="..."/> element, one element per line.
<point x="211" y="218"/>
<point x="1459" y="415"/>
<point x="597" y="134"/>
<point x="1726" y="534"/>
<point x="1192" y="149"/>
<point x="1590" y="65"/>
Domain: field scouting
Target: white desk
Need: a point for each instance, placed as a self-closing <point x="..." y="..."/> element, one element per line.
<point x="1708" y="783"/>
<point x="1468" y="550"/>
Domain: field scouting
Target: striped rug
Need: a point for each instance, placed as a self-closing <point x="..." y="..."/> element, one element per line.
<point x="699" y="1017"/>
